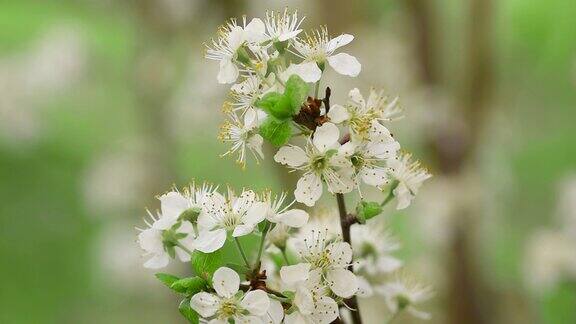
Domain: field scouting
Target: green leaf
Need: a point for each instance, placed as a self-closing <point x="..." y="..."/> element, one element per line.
<point x="296" y="91"/>
<point x="241" y="269"/>
<point x="366" y="210"/>
<point x="205" y="264"/>
<point x="189" y="286"/>
<point x="269" y="101"/>
<point x="275" y="131"/>
<point x="167" y="279"/>
<point x="188" y="312"/>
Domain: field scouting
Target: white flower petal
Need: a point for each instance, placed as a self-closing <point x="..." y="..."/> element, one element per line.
<point x="326" y="137"/>
<point x="295" y="318"/>
<point x="150" y="240"/>
<point x="210" y="241"/>
<point x="356" y="97"/>
<point x="344" y="182"/>
<point x="295" y="273"/>
<point x="364" y="288"/>
<point x="228" y="72"/>
<point x="242" y="230"/>
<point x="205" y="304"/>
<point x="308" y="71"/>
<point x="247" y="319"/>
<point x="338" y="42"/>
<point x="338" y="114"/>
<point x="403" y="195"/>
<point x="340" y="253"/>
<point x="289" y="35"/>
<point x="256" y="302"/>
<point x="256" y="213"/>
<point x="342" y="282"/>
<point x="226" y="282"/>
<point x="326" y="310"/>
<point x="291" y="155"/>
<point x="419" y="314"/>
<point x="172" y="204"/>
<point x="157" y="261"/>
<point x="374" y="176"/>
<point x="308" y="189"/>
<point x="345" y="64"/>
<point x="217" y="321"/>
<point x="254" y="31"/>
<point x="304" y="300"/>
<point x="274" y="314"/>
<point x="236" y="38"/>
<point x="293" y="218"/>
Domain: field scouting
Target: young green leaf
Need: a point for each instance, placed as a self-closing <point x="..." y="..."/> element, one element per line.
<point x="188" y="312"/>
<point x="205" y="264"/>
<point x="296" y="91"/>
<point x="189" y="286"/>
<point x="275" y="131"/>
<point x="167" y="279"/>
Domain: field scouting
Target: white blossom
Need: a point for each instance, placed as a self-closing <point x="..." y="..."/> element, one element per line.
<point x="311" y="299"/>
<point x="320" y="162"/>
<point x="403" y="294"/>
<point x="360" y="114"/>
<point x="228" y="303"/>
<point x="237" y="215"/>
<point x="277" y="213"/>
<point x="162" y="237"/>
<point x="331" y="259"/>
<point x="226" y="48"/>
<point x="283" y="26"/>
<point x="373" y="246"/>
<point x="319" y="48"/>
<point x="409" y="176"/>
<point x="369" y="158"/>
<point x="242" y="135"/>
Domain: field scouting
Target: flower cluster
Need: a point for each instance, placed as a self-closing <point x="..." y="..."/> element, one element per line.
<point x="301" y="271"/>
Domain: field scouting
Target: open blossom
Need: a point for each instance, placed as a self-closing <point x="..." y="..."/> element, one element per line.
<point x="409" y="176"/>
<point x="369" y="157"/>
<point x="276" y="213"/>
<point x="404" y="295"/>
<point x="331" y="259"/>
<point x="243" y="135"/>
<point x="185" y="206"/>
<point x="360" y="114"/>
<point x="229" y="303"/>
<point x="373" y="247"/>
<point x="233" y="214"/>
<point x="163" y="239"/>
<point x="245" y="94"/>
<point x="283" y="26"/>
<point x="311" y="299"/>
<point x="226" y="48"/>
<point x="320" y="162"/>
<point x="319" y="48"/>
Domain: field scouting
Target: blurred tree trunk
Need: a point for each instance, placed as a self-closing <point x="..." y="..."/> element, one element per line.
<point x="453" y="147"/>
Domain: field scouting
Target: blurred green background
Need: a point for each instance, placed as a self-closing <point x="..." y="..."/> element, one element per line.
<point x="104" y="104"/>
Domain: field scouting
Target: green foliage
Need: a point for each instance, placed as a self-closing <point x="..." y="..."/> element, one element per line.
<point x="167" y="279"/>
<point x="296" y="91"/>
<point x="284" y="106"/>
<point x="188" y="312"/>
<point x="366" y="210"/>
<point x="205" y="264"/>
<point x="189" y="286"/>
<point x="275" y="131"/>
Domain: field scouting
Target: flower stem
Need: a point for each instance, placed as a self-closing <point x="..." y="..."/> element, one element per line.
<point x="351" y="302"/>
<point x="317" y="89"/>
<point x="180" y="245"/>
<point x="285" y="256"/>
<point x="262" y="240"/>
<point x="242" y="252"/>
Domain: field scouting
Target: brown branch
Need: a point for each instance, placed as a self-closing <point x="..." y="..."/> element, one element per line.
<point x="352" y="302"/>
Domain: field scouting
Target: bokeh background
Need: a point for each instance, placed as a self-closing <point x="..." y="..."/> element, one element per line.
<point x="104" y="104"/>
